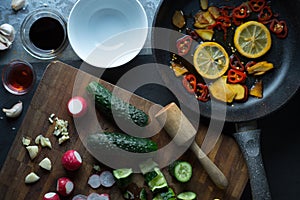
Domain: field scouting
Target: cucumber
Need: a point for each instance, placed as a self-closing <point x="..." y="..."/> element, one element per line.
<point x="188" y="195"/>
<point x="114" y="140"/>
<point x="114" y="107"/>
<point x="181" y="170"/>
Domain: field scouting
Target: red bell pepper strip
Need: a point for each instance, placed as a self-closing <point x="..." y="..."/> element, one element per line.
<point x="235" y="63"/>
<point x="184" y="45"/>
<point x="202" y="93"/>
<point x="257" y="5"/>
<point x="279" y="28"/>
<point x="240" y="12"/>
<point x="192" y="33"/>
<point x="250" y="64"/>
<point x="236" y="76"/>
<point x="265" y="14"/>
<point x="189" y="82"/>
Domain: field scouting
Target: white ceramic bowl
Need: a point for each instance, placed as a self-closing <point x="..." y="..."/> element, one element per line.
<point x="107" y="33"/>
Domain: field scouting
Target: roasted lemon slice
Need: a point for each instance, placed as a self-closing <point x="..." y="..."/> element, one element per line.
<point x="211" y="60"/>
<point x="252" y="39"/>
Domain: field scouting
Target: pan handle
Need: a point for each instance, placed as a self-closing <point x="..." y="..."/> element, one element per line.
<point x="249" y="142"/>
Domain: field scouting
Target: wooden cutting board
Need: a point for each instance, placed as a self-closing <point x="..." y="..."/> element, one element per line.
<point x="51" y="96"/>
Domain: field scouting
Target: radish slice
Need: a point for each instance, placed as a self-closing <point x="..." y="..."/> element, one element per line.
<point x="104" y="196"/>
<point x="77" y="106"/>
<point x="71" y="160"/>
<point x="94" y="196"/>
<point x="64" y="186"/>
<point x="79" y="197"/>
<point x="51" y="196"/>
<point x="107" y="179"/>
<point x="94" y="181"/>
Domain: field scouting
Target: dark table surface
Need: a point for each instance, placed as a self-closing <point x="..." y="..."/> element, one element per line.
<point x="280" y="139"/>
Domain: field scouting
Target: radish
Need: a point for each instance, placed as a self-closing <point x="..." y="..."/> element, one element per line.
<point x="94" y="181"/>
<point x="77" y="106"/>
<point x="71" y="160"/>
<point x="107" y="179"/>
<point x="64" y="186"/>
<point x="79" y="197"/>
<point x="51" y="196"/>
<point x="96" y="196"/>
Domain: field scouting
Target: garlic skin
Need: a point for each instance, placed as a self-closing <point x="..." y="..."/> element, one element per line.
<point x="14" y="111"/>
<point x="17" y="4"/>
<point x="7" y="36"/>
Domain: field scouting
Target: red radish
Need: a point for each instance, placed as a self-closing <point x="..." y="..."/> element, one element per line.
<point x="94" y="181"/>
<point x="77" y="106"/>
<point x="79" y="197"/>
<point x="107" y="179"/>
<point x="51" y="196"/>
<point x="64" y="186"/>
<point x="96" y="196"/>
<point x="71" y="160"/>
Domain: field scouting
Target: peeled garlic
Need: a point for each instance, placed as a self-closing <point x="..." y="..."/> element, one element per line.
<point x="46" y="164"/>
<point x="14" y="111"/>
<point x="7" y="36"/>
<point x="31" y="178"/>
<point x="33" y="151"/>
<point x="17" y="4"/>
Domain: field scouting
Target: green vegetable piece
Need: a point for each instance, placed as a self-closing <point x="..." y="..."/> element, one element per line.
<point x="122" y="173"/>
<point x="114" y="107"/>
<point x="181" y="170"/>
<point x="158" y="182"/>
<point x="188" y="195"/>
<point x="168" y="195"/>
<point x="107" y="140"/>
<point x="143" y="194"/>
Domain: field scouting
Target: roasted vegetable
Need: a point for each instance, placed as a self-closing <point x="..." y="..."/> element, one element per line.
<point x="114" y="107"/>
<point x="257" y="89"/>
<point x="178" y="19"/>
<point x="260" y="68"/>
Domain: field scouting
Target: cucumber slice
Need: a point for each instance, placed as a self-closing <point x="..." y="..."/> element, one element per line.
<point x="187" y="195"/>
<point x="181" y="170"/>
<point x="122" y="173"/>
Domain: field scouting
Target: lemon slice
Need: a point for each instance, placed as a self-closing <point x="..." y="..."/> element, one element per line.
<point x="252" y="39"/>
<point x="211" y="60"/>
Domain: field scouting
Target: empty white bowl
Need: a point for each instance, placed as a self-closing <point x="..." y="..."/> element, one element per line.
<point x="107" y="33"/>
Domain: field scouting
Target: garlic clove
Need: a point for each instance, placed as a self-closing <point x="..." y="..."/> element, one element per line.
<point x="8" y="31"/>
<point x="33" y="151"/>
<point x="46" y="164"/>
<point x="31" y="178"/>
<point x="14" y="111"/>
<point x="17" y="4"/>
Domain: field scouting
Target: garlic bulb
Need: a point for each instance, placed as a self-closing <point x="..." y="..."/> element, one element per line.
<point x="14" y="111"/>
<point x="7" y="36"/>
<point x="17" y="4"/>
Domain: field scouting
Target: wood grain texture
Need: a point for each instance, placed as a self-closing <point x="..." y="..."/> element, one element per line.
<point x="51" y="96"/>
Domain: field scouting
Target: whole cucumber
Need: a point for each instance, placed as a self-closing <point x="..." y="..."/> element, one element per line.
<point x="112" y="140"/>
<point x="110" y="105"/>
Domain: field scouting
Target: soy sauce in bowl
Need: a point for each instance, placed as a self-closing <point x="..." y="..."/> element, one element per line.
<point x="44" y="33"/>
<point x="47" y="33"/>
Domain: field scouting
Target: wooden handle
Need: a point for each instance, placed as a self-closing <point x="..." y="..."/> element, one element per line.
<point x="181" y="130"/>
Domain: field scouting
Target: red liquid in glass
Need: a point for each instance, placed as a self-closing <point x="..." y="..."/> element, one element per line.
<point x="20" y="77"/>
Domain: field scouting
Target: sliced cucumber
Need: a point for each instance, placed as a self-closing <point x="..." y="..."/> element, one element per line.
<point x="122" y="173"/>
<point x="187" y="195"/>
<point x="181" y="170"/>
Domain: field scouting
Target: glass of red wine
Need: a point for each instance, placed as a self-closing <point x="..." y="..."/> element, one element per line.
<point x="18" y="77"/>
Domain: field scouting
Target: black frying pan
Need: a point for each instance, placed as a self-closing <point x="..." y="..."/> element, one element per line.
<point x="279" y="85"/>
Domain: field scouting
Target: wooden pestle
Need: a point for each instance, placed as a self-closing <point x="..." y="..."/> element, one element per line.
<point x="179" y="127"/>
